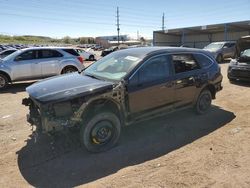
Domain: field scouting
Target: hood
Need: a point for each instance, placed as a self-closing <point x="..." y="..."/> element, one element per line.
<point x="212" y="50"/>
<point x="242" y="44"/>
<point x="66" y="87"/>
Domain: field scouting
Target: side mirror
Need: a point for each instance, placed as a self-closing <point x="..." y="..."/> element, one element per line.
<point x="225" y="47"/>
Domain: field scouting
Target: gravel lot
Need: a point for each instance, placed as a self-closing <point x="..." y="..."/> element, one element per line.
<point x="179" y="150"/>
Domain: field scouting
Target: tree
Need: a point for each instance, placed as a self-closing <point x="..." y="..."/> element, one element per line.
<point x="66" y="39"/>
<point x="83" y="40"/>
<point x="143" y="41"/>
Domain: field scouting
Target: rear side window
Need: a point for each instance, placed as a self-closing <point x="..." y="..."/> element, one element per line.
<point x="184" y="63"/>
<point x="229" y="45"/>
<point x="71" y="51"/>
<point x="49" y="54"/>
<point x="203" y="60"/>
<point x="28" y="55"/>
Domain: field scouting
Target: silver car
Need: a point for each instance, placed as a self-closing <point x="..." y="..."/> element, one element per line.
<point x="221" y="50"/>
<point x="7" y="52"/>
<point x="37" y="63"/>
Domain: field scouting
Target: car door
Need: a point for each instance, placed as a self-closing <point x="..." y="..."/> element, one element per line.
<point x="49" y="60"/>
<point x="228" y="50"/>
<point x="25" y="66"/>
<point x="151" y="86"/>
<point x="187" y="77"/>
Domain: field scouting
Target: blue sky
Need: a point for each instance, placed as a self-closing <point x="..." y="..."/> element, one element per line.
<point x="75" y="18"/>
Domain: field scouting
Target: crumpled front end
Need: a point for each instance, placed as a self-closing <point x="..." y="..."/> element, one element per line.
<point x="52" y="117"/>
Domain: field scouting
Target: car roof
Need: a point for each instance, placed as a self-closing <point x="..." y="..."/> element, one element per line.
<point x="46" y="48"/>
<point x="223" y="42"/>
<point x="144" y="51"/>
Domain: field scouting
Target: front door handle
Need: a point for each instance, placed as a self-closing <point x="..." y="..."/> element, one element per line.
<point x="167" y="85"/>
<point x="178" y="81"/>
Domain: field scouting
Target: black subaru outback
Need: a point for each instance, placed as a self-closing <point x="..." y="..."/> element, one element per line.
<point x="122" y="88"/>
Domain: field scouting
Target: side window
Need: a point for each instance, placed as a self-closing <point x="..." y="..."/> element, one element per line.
<point x="71" y="51"/>
<point x="184" y="63"/>
<point x="229" y="45"/>
<point x="28" y="55"/>
<point x="49" y="54"/>
<point x="203" y="60"/>
<point x="155" y="69"/>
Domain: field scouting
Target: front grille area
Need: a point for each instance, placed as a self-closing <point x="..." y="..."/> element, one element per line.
<point x="241" y="73"/>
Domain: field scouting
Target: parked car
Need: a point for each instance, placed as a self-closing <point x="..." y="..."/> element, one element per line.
<point x="37" y="63"/>
<point x="5" y="53"/>
<point x="221" y="50"/>
<point x="109" y="50"/>
<point x="86" y="54"/>
<point x="239" y="68"/>
<point x="122" y="88"/>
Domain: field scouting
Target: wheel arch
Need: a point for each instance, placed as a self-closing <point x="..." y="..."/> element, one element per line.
<point x="103" y="104"/>
<point x="68" y="66"/>
<point x="210" y="87"/>
<point x="6" y="74"/>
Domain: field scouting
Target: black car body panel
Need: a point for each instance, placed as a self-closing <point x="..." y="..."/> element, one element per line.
<point x="65" y="87"/>
<point x="239" y="68"/>
<point x="64" y="101"/>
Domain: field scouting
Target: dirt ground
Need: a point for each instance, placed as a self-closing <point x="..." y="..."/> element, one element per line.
<point x="179" y="150"/>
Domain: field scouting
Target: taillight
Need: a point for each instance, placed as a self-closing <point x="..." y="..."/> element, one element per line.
<point x="80" y="58"/>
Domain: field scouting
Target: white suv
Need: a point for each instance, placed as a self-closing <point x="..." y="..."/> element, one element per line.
<point x="37" y="63"/>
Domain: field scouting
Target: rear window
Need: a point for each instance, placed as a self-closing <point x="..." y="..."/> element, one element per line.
<point x="71" y="51"/>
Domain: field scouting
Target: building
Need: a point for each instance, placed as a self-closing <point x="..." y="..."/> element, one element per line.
<point x="114" y="38"/>
<point x="108" y="41"/>
<point x="200" y="36"/>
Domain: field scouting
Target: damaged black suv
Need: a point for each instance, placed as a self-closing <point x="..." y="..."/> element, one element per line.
<point x="122" y="88"/>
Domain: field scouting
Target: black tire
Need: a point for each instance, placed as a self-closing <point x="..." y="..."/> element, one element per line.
<point x="67" y="70"/>
<point x="3" y="81"/>
<point x="101" y="132"/>
<point x="91" y="58"/>
<point x="203" y="102"/>
<point x="219" y="58"/>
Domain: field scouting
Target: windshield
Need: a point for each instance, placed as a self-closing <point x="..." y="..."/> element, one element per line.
<point x="114" y="66"/>
<point x="245" y="53"/>
<point x="11" y="55"/>
<point x="214" y="46"/>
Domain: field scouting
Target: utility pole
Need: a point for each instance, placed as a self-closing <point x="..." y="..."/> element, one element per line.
<point x="163" y="20"/>
<point x="118" y="25"/>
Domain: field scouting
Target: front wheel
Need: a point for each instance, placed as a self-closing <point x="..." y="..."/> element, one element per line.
<point x="101" y="132"/>
<point x="203" y="102"/>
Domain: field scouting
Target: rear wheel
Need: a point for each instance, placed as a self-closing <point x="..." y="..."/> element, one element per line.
<point x="203" y="102"/>
<point x="3" y="81"/>
<point x="101" y="132"/>
<point x="91" y="58"/>
<point x="67" y="70"/>
<point x="219" y="58"/>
